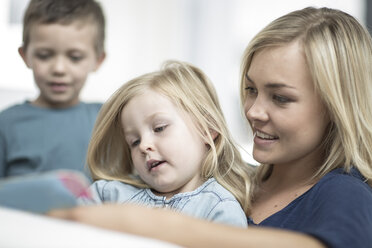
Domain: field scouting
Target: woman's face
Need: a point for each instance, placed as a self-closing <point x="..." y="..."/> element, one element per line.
<point x="287" y="117"/>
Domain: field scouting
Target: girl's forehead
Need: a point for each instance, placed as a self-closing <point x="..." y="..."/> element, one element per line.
<point x="148" y="103"/>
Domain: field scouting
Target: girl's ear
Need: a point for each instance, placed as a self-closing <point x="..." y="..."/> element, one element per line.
<point x="214" y="134"/>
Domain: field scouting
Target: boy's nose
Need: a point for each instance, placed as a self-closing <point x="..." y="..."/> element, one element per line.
<point x="59" y="65"/>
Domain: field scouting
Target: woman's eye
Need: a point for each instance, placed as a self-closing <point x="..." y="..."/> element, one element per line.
<point x="281" y="99"/>
<point x="251" y="90"/>
<point x="159" y="129"/>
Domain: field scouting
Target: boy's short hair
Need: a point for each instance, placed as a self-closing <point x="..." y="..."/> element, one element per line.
<point x="65" y="12"/>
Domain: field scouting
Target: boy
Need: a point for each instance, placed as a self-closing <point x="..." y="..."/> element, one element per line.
<point x="63" y="41"/>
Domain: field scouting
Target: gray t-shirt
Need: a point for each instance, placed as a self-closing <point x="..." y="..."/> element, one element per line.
<point x="34" y="139"/>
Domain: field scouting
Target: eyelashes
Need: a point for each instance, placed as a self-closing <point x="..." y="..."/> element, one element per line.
<point x="277" y="98"/>
<point x="160" y="128"/>
<point x="157" y="130"/>
<point x="46" y="55"/>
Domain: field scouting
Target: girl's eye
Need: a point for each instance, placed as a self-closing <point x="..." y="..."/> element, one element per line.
<point x="251" y="90"/>
<point x="281" y="99"/>
<point x="159" y="129"/>
<point x="135" y="143"/>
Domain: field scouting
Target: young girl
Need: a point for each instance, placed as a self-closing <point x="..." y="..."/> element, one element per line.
<point x="161" y="140"/>
<point x="306" y="89"/>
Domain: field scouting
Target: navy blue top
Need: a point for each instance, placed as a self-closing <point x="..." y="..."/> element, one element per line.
<point x="337" y="211"/>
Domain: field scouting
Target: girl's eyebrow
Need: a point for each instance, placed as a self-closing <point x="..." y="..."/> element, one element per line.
<point x="271" y="85"/>
<point x="160" y="115"/>
<point x="128" y="132"/>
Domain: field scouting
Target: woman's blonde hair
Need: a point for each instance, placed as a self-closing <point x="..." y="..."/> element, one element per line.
<point x="189" y="88"/>
<point x="338" y="53"/>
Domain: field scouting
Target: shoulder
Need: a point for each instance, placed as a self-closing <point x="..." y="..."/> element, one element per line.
<point x="13" y="110"/>
<point x="88" y="110"/>
<point x="340" y="186"/>
<point x="14" y="113"/>
<point x="341" y="210"/>
<point x="209" y="193"/>
<point x="214" y="202"/>
<point x="94" y="106"/>
<point x="214" y="189"/>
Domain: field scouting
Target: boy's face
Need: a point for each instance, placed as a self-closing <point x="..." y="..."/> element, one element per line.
<point x="61" y="57"/>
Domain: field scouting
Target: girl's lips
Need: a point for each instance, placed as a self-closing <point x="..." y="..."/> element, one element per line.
<point x="153" y="163"/>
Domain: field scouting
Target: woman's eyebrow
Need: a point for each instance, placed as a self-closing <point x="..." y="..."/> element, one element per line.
<point x="248" y="78"/>
<point x="278" y="85"/>
<point x="271" y="85"/>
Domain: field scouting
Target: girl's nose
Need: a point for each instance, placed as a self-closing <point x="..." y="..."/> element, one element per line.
<point x="146" y="145"/>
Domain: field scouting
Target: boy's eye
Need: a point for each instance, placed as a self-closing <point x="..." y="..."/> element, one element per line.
<point x="251" y="90"/>
<point x="43" y="56"/>
<point x="75" y="58"/>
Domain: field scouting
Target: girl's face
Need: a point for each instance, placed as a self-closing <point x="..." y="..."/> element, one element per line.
<point x="287" y="116"/>
<point x="166" y="149"/>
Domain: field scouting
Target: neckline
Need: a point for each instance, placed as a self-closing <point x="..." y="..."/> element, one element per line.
<point x="179" y="195"/>
<point x="289" y="205"/>
<point x="40" y="108"/>
<point x="353" y="172"/>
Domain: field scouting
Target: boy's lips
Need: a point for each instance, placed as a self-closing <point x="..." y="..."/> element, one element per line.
<point x="58" y="87"/>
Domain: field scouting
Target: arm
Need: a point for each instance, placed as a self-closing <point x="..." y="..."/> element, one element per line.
<point x="182" y="230"/>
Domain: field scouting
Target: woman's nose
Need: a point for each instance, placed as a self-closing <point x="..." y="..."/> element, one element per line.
<point x="256" y="110"/>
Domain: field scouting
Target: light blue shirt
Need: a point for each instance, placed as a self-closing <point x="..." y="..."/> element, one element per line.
<point x="210" y="201"/>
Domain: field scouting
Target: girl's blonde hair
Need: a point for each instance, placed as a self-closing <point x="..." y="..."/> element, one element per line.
<point x="189" y="88"/>
<point x="338" y="53"/>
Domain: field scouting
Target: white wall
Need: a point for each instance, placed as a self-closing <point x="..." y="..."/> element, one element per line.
<point x="141" y="34"/>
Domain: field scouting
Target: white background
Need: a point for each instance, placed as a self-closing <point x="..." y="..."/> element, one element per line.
<point x="142" y="34"/>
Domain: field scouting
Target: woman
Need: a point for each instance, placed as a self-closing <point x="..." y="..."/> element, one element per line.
<point x="306" y="90"/>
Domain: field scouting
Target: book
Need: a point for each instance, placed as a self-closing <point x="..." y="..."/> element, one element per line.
<point x="42" y="192"/>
